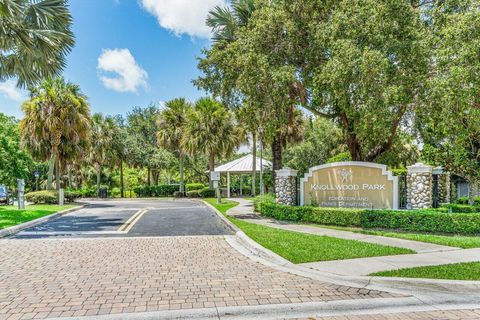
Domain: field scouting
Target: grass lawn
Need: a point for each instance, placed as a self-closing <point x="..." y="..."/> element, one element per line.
<point x="301" y="247"/>
<point x="457" y="271"/>
<point x="465" y="242"/>
<point x="11" y="216"/>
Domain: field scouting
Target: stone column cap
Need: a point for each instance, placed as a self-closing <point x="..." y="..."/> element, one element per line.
<point x="439" y="170"/>
<point x="286" y="172"/>
<point x="419" y="168"/>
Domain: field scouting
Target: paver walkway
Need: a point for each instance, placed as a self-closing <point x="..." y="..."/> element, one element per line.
<point x="428" y="254"/>
<point x="44" y="278"/>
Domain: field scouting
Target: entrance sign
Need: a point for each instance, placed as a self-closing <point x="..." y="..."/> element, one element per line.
<point x="351" y="184"/>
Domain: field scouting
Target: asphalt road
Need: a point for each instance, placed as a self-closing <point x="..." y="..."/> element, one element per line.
<point x="132" y="218"/>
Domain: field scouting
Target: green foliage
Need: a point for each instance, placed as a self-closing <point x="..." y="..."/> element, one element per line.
<point x="465" y="200"/>
<point x="35" y="38"/>
<point x="162" y="190"/>
<point x="10" y="216"/>
<point x="341" y="157"/>
<point x="448" y="118"/>
<point x="194" y="186"/>
<point x="50" y="197"/>
<point x="193" y="194"/>
<point x="258" y="201"/>
<point x="399" y="172"/>
<point x="460" y="208"/>
<point x="301" y="247"/>
<point x="425" y="221"/>
<point x="207" y="192"/>
<point x="321" y="139"/>
<point x="15" y="160"/>
<point x="455" y="271"/>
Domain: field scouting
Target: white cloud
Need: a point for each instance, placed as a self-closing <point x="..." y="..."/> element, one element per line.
<point x="10" y="90"/>
<point x="183" y="16"/>
<point x="130" y="76"/>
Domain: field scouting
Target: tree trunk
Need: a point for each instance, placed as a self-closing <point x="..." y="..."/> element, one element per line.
<point x="122" y="184"/>
<point x="99" y="176"/>
<point x="148" y="177"/>
<point x="254" y="163"/>
<point x="70" y="178"/>
<point x="276" y="156"/>
<point x="51" y="168"/>
<point x="182" y="187"/>
<point x="155" y="176"/>
<point x="57" y="178"/>
<point x="211" y="166"/>
<point x="472" y="192"/>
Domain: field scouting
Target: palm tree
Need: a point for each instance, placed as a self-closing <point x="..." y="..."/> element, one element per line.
<point x="224" y="21"/>
<point x="102" y="133"/>
<point x="211" y="130"/>
<point x="56" y="126"/>
<point x="171" y="129"/>
<point x="35" y="36"/>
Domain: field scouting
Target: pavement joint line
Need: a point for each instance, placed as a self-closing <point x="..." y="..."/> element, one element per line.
<point x="127" y="223"/>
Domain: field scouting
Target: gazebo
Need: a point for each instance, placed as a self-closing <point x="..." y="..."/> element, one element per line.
<point x="244" y="165"/>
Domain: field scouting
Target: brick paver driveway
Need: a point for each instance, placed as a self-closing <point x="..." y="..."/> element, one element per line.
<point x="44" y="278"/>
<point x="121" y="257"/>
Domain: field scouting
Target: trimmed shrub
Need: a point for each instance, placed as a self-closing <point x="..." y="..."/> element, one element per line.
<point x="161" y="190"/>
<point x="459" y="208"/>
<point x="193" y="194"/>
<point x="422" y="220"/>
<point x="464" y="200"/>
<point x="194" y="186"/>
<point x="258" y="201"/>
<point x="207" y="192"/>
<point x="47" y="197"/>
<point x="71" y="196"/>
<point x="50" y="197"/>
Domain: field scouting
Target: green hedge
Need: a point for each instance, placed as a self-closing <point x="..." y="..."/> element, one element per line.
<point x="207" y="192"/>
<point x="424" y="221"/>
<point x="50" y="197"/>
<point x="459" y="208"/>
<point x="162" y="190"/>
<point x="194" y="186"/>
<point x="464" y="200"/>
<point x="258" y="201"/>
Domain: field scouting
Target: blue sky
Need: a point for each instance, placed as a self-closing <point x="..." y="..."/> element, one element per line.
<point x="131" y="53"/>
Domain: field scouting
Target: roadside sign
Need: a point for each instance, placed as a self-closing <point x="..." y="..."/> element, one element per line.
<point x="214" y="176"/>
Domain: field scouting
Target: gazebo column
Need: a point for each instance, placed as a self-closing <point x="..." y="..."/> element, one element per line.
<point x="228" y="184"/>
<point x="241" y="180"/>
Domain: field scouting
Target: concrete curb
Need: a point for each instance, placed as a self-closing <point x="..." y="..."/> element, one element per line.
<point x="293" y="310"/>
<point x="258" y="253"/>
<point x="234" y="228"/>
<point x="19" y="227"/>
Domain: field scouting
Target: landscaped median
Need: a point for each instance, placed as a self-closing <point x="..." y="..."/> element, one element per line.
<point x="301" y="247"/>
<point x="457" y="271"/>
<point x="10" y="216"/>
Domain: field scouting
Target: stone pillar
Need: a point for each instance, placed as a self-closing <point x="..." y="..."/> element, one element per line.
<point x="443" y="184"/>
<point x="419" y="186"/>
<point x="286" y="186"/>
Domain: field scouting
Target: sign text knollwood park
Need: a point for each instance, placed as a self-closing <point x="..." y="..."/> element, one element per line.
<point x="350" y="185"/>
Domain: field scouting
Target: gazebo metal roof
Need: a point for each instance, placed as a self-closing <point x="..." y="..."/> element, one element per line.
<point x="243" y="165"/>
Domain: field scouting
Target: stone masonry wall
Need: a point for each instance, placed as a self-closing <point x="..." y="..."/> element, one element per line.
<point x="444" y="188"/>
<point x="419" y="187"/>
<point x="286" y="187"/>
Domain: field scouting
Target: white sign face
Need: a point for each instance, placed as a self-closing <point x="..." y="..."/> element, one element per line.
<point x="214" y="176"/>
